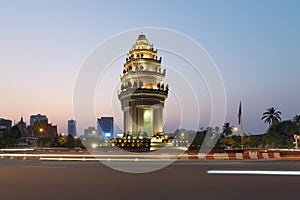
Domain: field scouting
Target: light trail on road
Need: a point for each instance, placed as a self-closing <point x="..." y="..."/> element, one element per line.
<point x="254" y="172"/>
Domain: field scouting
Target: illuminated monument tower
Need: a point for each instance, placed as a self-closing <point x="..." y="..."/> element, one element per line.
<point x="143" y="92"/>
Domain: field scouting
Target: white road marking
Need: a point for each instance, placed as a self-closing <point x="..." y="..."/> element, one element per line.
<point x="41" y="166"/>
<point x="105" y="159"/>
<point x="254" y="172"/>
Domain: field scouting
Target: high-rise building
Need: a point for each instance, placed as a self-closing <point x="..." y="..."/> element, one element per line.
<point x="33" y="118"/>
<point x="5" y="123"/>
<point x="106" y="127"/>
<point x="72" y="127"/>
<point x="143" y="92"/>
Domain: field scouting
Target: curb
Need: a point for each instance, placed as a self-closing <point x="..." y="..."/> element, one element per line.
<point x="183" y="157"/>
<point x="243" y="156"/>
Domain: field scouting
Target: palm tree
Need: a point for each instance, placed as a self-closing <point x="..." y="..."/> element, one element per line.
<point x="227" y="129"/>
<point x="217" y="129"/>
<point x="296" y="119"/>
<point x="271" y="116"/>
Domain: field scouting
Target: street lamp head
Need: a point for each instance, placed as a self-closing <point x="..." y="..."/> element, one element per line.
<point x="235" y="129"/>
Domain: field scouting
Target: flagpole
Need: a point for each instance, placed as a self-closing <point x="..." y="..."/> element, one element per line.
<point x="241" y="124"/>
<point x="242" y="136"/>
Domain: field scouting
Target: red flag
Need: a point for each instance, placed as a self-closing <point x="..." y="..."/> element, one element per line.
<point x="240" y="113"/>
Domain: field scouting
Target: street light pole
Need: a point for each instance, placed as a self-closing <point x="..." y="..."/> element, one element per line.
<point x="296" y="140"/>
<point x="236" y="129"/>
<point x="242" y="138"/>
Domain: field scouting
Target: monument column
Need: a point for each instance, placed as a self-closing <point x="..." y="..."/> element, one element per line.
<point x="157" y="120"/>
<point x="140" y="119"/>
<point x="129" y="121"/>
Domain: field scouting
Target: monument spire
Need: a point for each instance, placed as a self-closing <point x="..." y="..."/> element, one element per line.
<point x="142" y="92"/>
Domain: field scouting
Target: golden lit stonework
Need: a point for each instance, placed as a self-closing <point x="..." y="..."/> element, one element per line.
<point x="143" y="92"/>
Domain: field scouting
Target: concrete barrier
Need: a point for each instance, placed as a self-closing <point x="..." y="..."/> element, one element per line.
<point x="277" y="155"/>
<point x="239" y="156"/>
<point x="242" y="156"/>
<point x="253" y="155"/>
<point x="266" y="155"/>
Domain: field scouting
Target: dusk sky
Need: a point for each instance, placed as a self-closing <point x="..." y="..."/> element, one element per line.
<point x="255" y="45"/>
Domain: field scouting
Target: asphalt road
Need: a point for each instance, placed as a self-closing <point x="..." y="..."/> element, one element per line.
<point x="32" y="180"/>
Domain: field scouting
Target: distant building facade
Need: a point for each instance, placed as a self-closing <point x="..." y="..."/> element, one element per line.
<point x="22" y="128"/>
<point x="90" y="131"/>
<point x="26" y="138"/>
<point x="42" y="128"/>
<point x="33" y="118"/>
<point x="106" y="127"/>
<point x="5" y="124"/>
<point x="72" y="127"/>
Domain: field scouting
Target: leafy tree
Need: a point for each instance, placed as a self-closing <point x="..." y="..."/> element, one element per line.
<point x="70" y="143"/>
<point x="78" y="143"/>
<point x="232" y="141"/>
<point x="55" y="142"/>
<point x="280" y="134"/>
<point x="10" y="137"/>
<point x="286" y="130"/>
<point x="199" y="138"/>
<point x="62" y="140"/>
<point x="296" y="119"/>
<point x="249" y="141"/>
<point x="46" y="141"/>
<point x="271" y="116"/>
<point x="273" y="140"/>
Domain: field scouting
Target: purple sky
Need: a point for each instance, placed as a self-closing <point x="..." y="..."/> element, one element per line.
<point x="255" y="45"/>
